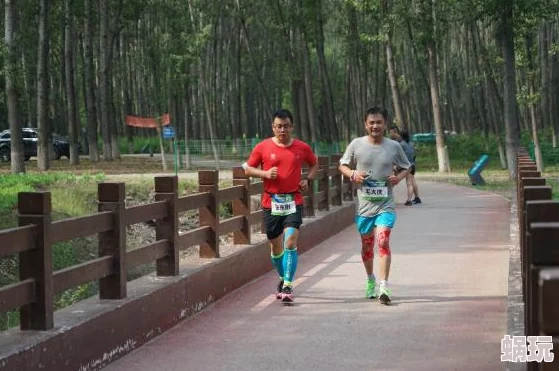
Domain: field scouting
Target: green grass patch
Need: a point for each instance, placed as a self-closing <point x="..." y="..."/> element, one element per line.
<point x="71" y="195"/>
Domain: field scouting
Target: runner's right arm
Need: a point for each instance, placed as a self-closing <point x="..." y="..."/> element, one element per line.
<point x="254" y="161"/>
<point x="271" y="173"/>
<point x="346" y="170"/>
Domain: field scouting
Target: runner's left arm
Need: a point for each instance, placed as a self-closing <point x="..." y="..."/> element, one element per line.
<point x="311" y="159"/>
<point x="401" y="161"/>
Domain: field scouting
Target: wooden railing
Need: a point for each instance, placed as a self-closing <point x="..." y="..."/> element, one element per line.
<point x="538" y="220"/>
<point x="36" y="234"/>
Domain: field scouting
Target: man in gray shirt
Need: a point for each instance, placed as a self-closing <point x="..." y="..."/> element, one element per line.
<point x="374" y="157"/>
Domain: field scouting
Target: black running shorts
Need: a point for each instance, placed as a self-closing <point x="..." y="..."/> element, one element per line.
<point x="275" y="224"/>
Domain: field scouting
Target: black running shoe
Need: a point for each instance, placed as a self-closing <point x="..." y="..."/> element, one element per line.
<point x="416" y="200"/>
<point x="279" y="291"/>
<point x="287" y="294"/>
<point x="408" y="203"/>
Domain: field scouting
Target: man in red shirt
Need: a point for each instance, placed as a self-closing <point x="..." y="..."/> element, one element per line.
<point x="278" y="161"/>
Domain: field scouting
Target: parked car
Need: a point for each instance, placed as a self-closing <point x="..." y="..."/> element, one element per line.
<point x="60" y="145"/>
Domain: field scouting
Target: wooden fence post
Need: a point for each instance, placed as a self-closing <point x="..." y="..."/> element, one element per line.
<point x="308" y="207"/>
<point x="529" y="193"/>
<point x="35" y="208"/>
<point x="548" y="315"/>
<point x="113" y="243"/>
<point x="324" y="182"/>
<point x="543" y="252"/>
<point x="242" y="207"/>
<point x="208" y="181"/>
<point x="537" y="211"/>
<point x="336" y="181"/>
<point x="166" y="189"/>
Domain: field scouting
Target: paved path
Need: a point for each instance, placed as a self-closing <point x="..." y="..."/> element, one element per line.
<point x="449" y="278"/>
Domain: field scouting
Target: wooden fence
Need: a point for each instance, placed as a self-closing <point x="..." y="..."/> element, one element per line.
<point x="36" y="234"/>
<point x="538" y="220"/>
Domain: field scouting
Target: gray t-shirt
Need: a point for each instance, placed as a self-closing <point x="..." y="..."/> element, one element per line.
<point x="377" y="160"/>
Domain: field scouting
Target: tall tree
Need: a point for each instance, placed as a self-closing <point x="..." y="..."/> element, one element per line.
<point x="43" y="125"/>
<point x="12" y="94"/>
<point x="69" y="53"/>
<point x="90" y="99"/>
<point x="392" y="75"/>
<point x="512" y="128"/>
<point x="104" y="78"/>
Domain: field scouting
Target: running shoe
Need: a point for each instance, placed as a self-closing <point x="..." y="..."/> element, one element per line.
<point x="408" y="203"/>
<point x="370" y="289"/>
<point x="279" y="290"/>
<point x="385" y="294"/>
<point x="287" y="295"/>
<point x="416" y="200"/>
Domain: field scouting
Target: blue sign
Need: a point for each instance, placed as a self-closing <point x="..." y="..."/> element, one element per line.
<point x="168" y="132"/>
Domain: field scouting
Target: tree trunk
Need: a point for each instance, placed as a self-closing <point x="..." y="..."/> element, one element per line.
<point x="537" y="149"/>
<point x="187" y="124"/>
<point x="43" y="125"/>
<point x="396" y="99"/>
<point x="509" y="96"/>
<point x="480" y="93"/>
<point x="328" y="99"/>
<point x="104" y="79"/>
<point x="554" y="88"/>
<point x="544" y="74"/>
<point x="10" y="62"/>
<point x="309" y="93"/>
<point x="30" y="93"/>
<point x="442" y="153"/>
<point x="69" y="53"/>
<point x="91" y="101"/>
<point x="532" y="103"/>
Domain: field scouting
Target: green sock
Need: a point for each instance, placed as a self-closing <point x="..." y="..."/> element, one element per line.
<point x="277" y="262"/>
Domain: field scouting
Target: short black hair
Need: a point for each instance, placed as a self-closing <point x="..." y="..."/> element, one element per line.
<point x="283" y="113"/>
<point x="395" y="128"/>
<point x="405" y="136"/>
<point x="377" y="111"/>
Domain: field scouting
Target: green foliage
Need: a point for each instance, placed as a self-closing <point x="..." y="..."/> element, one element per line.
<point x="71" y="196"/>
<point x="463" y="150"/>
<point x="143" y="145"/>
<point x="74" y="295"/>
<point x="12" y="184"/>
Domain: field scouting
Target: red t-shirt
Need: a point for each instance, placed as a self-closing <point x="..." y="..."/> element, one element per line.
<point x="288" y="160"/>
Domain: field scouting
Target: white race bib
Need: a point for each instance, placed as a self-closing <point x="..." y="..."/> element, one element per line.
<point x="374" y="191"/>
<point x="283" y="204"/>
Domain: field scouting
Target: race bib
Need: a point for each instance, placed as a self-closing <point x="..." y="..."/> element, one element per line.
<point x="283" y="204"/>
<point x="373" y="190"/>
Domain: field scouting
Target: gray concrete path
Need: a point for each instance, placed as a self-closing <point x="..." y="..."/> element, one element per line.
<point x="449" y="281"/>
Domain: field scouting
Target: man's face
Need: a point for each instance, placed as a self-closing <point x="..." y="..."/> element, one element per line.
<point x="282" y="128"/>
<point x="375" y="125"/>
<point x="394" y="135"/>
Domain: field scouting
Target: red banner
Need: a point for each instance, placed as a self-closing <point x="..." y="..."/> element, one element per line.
<point x="147" y="122"/>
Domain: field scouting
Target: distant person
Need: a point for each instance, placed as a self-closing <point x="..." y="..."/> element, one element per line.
<point x="404" y="139"/>
<point x="278" y="161"/>
<point x="374" y="157"/>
